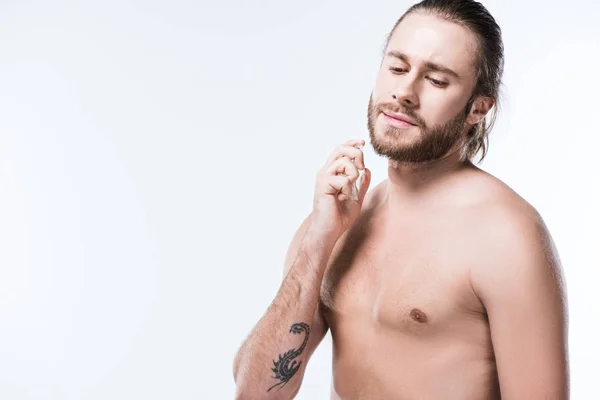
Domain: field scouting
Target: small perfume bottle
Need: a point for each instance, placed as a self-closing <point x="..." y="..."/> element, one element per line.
<point x="356" y="184"/>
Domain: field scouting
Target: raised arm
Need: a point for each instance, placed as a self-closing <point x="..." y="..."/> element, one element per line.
<point x="271" y="362"/>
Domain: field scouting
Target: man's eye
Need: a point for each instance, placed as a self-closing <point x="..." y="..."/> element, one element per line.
<point x="397" y="70"/>
<point x="438" y="83"/>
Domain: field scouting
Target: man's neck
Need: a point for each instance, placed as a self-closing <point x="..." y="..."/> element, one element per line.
<point x="411" y="184"/>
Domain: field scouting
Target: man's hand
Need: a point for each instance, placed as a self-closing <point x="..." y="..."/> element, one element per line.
<point x="333" y="209"/>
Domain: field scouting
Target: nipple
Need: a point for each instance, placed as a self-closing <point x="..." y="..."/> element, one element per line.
<point x="418" y="315"/>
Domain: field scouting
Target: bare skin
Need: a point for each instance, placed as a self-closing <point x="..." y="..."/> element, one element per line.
<point x="398" y="295"/>
<point x="439" y="283"/>
<point x="446" y="288"/>
<point x="403" y="316"/>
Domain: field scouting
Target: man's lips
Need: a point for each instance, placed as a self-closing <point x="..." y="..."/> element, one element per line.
<point x="399" y="120"/>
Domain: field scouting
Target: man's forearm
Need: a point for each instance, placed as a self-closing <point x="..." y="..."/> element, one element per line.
<point x="272" y="359"/>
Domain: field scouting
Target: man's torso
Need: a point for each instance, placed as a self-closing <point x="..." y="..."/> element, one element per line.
<point x="404" y="319"/>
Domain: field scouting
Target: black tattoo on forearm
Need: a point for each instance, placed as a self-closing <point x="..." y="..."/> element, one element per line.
<point x="286" y="367"/>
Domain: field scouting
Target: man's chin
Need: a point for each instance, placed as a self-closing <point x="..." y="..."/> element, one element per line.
<point x="392" y="139"/>
<point x="389" y="149"/>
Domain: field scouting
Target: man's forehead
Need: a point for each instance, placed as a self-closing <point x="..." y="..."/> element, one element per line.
<point x="426" y="38"/>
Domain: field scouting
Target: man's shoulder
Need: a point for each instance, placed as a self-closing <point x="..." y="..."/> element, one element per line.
<point x="502" y="212"/>
<point x="509" y="236"/>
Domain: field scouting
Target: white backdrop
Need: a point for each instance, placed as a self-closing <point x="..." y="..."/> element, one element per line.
<point x="156" y="158"/>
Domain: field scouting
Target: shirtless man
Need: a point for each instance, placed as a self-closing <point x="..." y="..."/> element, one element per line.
<point x="439" y="283"/>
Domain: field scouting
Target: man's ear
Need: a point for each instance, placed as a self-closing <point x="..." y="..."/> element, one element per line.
<point x="479" y="109"/>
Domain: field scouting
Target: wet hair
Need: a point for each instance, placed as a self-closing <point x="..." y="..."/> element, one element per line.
<point x="489" y="58"/>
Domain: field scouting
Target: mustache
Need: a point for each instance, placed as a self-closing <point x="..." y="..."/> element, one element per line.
<point x="398" y="108"/>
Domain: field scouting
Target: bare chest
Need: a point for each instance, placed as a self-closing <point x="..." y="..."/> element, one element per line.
<point x="412" y="283"/>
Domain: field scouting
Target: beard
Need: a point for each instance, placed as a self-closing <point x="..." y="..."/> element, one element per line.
<point x="432" y="143"/>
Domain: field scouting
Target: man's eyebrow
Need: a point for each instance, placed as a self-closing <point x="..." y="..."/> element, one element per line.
<point x="428" y="64"/>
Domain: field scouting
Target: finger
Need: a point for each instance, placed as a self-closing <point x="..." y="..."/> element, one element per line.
<point x="351" y="152"/>
<point x="355" y="142"/>
<point x="339" y="185"/>
<point x="343" y="166"/>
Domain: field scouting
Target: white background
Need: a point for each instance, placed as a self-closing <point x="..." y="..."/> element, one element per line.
<point x="156" y="158"/>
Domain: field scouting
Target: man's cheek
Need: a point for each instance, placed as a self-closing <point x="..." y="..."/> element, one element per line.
<point x="382" y="86"/>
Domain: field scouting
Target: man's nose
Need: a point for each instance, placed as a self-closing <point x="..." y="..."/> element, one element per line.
<point x="405" y="93"/>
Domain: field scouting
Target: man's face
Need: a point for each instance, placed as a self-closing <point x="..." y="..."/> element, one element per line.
<point x="433" y="98"/>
